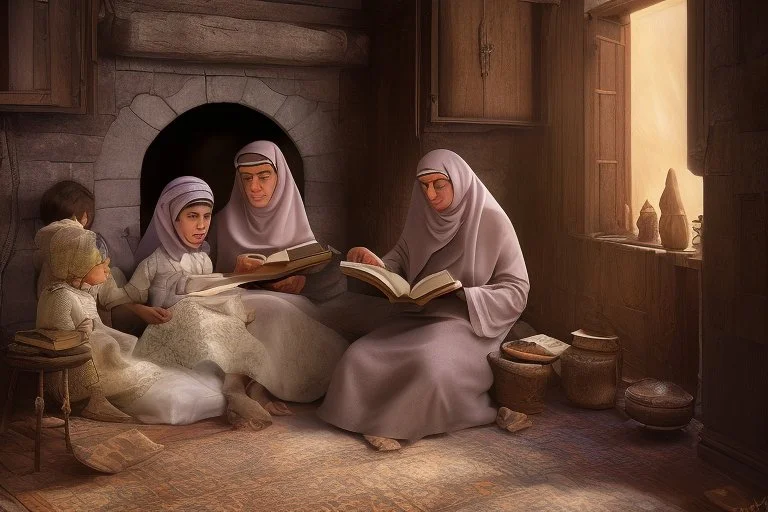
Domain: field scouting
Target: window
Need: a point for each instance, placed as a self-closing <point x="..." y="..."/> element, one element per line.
<point x="636" y="111"/>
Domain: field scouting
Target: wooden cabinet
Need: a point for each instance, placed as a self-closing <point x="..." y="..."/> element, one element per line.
<point x="48" y="54"/>
<point x="487" y="61"/>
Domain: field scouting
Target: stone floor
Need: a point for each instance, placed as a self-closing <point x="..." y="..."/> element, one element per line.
<point x="570" y="460"/>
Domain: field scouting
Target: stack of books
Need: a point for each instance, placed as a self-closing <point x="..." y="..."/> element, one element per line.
<point x="48" y="342"/>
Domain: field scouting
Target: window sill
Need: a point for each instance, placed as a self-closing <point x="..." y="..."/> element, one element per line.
<point x="689" y="258"/>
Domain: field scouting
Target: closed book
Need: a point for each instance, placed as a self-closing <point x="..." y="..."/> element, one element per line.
<point x="50" y="339"/>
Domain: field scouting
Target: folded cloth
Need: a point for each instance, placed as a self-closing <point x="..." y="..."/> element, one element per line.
<point x="118" y="452"/>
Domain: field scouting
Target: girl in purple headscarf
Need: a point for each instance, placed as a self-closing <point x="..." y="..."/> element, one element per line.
<point x="426" y="371"/>
<point x="259" y="345"/>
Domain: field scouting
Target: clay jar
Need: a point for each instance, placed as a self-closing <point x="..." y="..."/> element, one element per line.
<point x="673" y="223"/>
<point x="589" y="371"/>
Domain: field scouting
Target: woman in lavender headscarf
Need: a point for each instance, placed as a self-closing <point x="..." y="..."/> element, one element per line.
<point x="426" y="371"/>
<point x="262" y="344"/>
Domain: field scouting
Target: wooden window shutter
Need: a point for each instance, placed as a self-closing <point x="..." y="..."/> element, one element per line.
<point x="606" y="125"/>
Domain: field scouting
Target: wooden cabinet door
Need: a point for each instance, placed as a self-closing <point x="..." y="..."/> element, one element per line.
<point x="509" y="84"/>
<point x="461" y="85"/>
<point x="484" y="61"/>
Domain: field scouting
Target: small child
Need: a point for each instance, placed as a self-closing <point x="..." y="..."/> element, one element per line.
<point x="141" y="389"/>
<point x="68" y="203"/>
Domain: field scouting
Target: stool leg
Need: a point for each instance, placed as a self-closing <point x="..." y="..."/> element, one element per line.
<point x="9" y="401"/>
<point x="66" y="408"/>
<point x="39" y="408"/>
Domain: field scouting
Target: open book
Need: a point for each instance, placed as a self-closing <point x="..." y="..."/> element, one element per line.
<point x="396" y="288"/>
<point x="304" y="258"/>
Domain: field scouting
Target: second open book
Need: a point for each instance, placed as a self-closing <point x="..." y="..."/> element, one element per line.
<point x="396" y="288"/>
<point x="302" y="258"/>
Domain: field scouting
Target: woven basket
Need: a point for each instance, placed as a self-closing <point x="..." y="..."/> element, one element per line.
<point x="659" y="404"/>
<point x="519" y="386"/>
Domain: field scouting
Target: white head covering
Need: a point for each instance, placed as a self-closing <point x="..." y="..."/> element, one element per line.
<point x="240" y="227"/>
<point x="162" y="229"/>
<point x="73" y="253"/>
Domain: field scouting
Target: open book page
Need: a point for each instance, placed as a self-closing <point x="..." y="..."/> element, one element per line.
<point x="395" y="284"/>
<point x="211" y="284"/>
<point x="431" y="283"/>
<point x="290" y="254"/>
<point x="397" y="288"/>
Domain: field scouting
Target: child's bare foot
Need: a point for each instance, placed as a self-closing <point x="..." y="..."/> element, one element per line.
<point x="512" y="421"/>
<point x="244" y="413"/>
<point x="382" y="444"/>
<point x="259" y="393"/>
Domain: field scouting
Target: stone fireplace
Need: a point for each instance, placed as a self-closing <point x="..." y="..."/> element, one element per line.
<point x="145" y="110"/>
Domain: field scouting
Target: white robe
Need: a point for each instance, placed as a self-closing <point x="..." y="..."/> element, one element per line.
<point x="146" y="391"/>
<point x="260" y="334"/>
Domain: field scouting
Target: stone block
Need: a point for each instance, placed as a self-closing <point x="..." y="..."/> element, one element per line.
<point x="719" y="282"/>
<point x="120" y="229"/>
<point x="129" y="84"/>
<point x="124" y="147"/>
<point x="105" y="93"/>
<point x="262" y="72"/>
<point x="260" y="97"/>
<point x="320" y="143"/>
<point x="319" y="90"/>
<point x="36" y="177"/>
<point x="58" y="147"/>
<point x="317" y="193"/>
<point x="225" y="89"/>
<point x="153" y="111"/>
<point x="114" y="193"/>
<point x="284" y="86"/>
<point x="57" y="123"/>
<point x="293" y="111"/>
<point x="168" y="84"/>
<point x="311" y="126"/>
<point x="18" y="285"/>
<point x="224" y="70"/>
<point x="326" y="168"/>
<point x="192" y="94"/>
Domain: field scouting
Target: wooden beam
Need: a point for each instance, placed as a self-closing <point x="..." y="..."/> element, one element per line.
<point x="222" y="39"/>
<point x="248" y="10"/>
<point x="616" y="8"/>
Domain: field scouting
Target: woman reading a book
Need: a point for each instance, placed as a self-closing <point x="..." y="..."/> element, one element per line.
<point x="140" y="390"/>
<point x="266" y="347"/>
<point x="426" y="372"/>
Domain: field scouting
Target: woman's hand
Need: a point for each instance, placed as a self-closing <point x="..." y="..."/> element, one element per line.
<point x="245" y="264"/>
<point x="292" y="284"/>
<point x="152" y="314"/>
<point x="364" y="255"/>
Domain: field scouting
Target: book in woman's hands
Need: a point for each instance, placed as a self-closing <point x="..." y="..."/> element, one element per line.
<point x="396" y="288"/>
<point x="303" y="258"/>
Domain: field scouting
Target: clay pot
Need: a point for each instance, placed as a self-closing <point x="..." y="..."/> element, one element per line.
<point x="673" y="229"/>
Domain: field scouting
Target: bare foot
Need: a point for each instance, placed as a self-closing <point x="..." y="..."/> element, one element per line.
<point x="244" y="413"/>
<point x="382" y="444"/>
<point x="100" y="409"/>
<point x="512" y="421"/>
<point x="259" y="393"/>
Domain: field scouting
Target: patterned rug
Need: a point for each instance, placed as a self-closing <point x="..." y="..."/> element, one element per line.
<point x="570" y="460"/>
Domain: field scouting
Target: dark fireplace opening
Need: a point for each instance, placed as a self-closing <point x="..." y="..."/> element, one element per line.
<point x="202" y="142"/>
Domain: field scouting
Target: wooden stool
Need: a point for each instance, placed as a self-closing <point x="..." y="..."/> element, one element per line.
<point x="41" y="365"/>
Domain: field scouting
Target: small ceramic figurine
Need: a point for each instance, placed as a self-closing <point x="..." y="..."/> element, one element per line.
<point x="648" y="224"/>
<point x="673" y="224"/>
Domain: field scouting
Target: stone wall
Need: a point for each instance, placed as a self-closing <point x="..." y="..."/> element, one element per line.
<point x="104" y="151"/>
